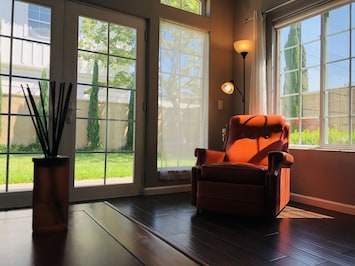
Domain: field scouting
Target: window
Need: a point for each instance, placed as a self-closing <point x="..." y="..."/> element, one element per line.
<point x="183" y="94"/>
<point x="193" y="6"/>
<point x="23" y="61"/>
<point x="39" y="21"/>
<point x="106" y="92"/>
<point x="316" y="62"/>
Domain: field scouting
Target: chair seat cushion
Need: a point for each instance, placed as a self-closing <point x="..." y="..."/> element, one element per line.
<point x="240" y="173"/>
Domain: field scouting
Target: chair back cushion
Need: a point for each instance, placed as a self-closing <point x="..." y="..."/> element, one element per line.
<point x="250" y="138"/>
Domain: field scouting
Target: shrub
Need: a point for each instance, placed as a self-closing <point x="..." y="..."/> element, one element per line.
<point x="308" y="137"/>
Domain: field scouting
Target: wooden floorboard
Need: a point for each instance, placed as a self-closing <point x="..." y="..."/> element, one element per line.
<point x="97" y="235"/>
<point x="301" y="235"/>
<point x="85" y="243"/>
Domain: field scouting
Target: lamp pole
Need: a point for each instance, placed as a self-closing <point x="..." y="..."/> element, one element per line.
<point x="242" y="47"/>
<point x="244" y="54"/>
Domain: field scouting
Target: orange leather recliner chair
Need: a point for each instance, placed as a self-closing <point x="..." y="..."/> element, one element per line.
<point x="251" y="177"/>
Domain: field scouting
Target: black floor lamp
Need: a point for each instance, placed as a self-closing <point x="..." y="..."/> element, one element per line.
<point x="243" y="47"/>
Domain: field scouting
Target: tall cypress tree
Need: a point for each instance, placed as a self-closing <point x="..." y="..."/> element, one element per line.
<point x="129" y="143"/>
<point x="45" y="92"/>
<point x="295" y="58"/>
<point x="0" y="91"/>
<point x="93" y="126"/>
<point x="292" y="80"/>
<point x="0" y="100"/>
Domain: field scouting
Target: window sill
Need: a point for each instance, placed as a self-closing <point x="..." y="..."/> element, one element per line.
<point x="176" y="173"/>
<point x="322" y="148"/>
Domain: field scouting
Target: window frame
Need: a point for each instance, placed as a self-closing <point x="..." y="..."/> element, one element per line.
<point x="64" y="38"/>
<point x="280" y="22"/>
<point x="106" y="89"/>
<point x="20" y="197"/>
<point x="74" y="11"/>
<point x="203" y="7"/>
<point x="38" y="21"/>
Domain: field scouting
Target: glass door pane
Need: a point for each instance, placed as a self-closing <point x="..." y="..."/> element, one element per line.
<point x="25" y="47"/>
<point x="109" y="84"/>
<point x="105" y="98"/>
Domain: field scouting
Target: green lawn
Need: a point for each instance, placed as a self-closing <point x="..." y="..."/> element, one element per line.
<point x="87" y="166"/>
<point x="91" y="166"/>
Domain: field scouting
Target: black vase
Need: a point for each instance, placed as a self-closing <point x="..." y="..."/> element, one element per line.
<point x="50" y="194"/>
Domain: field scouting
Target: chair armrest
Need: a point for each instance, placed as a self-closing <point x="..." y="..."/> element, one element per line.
<point x="279" y="159"/>
<point x="195" y="175"/>
<point x="206" y="156"/>
<point x="278" y="182"/>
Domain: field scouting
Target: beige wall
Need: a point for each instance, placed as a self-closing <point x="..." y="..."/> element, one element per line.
<point x="327" y="175"/>
<point x="117" y="132"/>
<point x="23" y="131"/>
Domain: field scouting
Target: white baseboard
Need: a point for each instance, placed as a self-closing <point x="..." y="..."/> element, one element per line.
<point x="322" y="203"/>
<point x="166" y="189"/>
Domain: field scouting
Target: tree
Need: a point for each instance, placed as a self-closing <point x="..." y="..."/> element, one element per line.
<point x="0" y="90"/>
<point x="295" y="57"/>
<point x="93" y="127"/>
<point x="130" y="137"/>
<point x="0" y="102"/>
<point x="119" y="41"/>
<point x="192" y="6"/>
<point x="180" y="53"/>
<point x="45" y="92"/>
<point x="0" y="99"/>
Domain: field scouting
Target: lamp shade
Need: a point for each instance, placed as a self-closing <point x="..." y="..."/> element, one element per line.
<point x="228" y="87"/>
<point x="243" y="46"/>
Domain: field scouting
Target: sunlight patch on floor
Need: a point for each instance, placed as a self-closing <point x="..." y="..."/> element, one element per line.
<point x="293" y="212"/>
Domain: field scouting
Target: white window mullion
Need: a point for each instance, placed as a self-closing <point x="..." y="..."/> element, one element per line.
<point x="323" y="81"/>
<point x="350" y="116"/>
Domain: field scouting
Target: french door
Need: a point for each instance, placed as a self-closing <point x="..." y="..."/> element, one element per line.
<point x="104" y="58"/>
<point x="101" y="52"/>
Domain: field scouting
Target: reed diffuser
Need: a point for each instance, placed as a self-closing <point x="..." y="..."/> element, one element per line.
<point x="49" y="129"/>
<point x="51" y="172"/>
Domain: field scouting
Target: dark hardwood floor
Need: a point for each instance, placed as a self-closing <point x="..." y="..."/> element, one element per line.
<point x="301" y="235"/>
<point x="97" y="235"/>
<point x="165" y="230"/>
